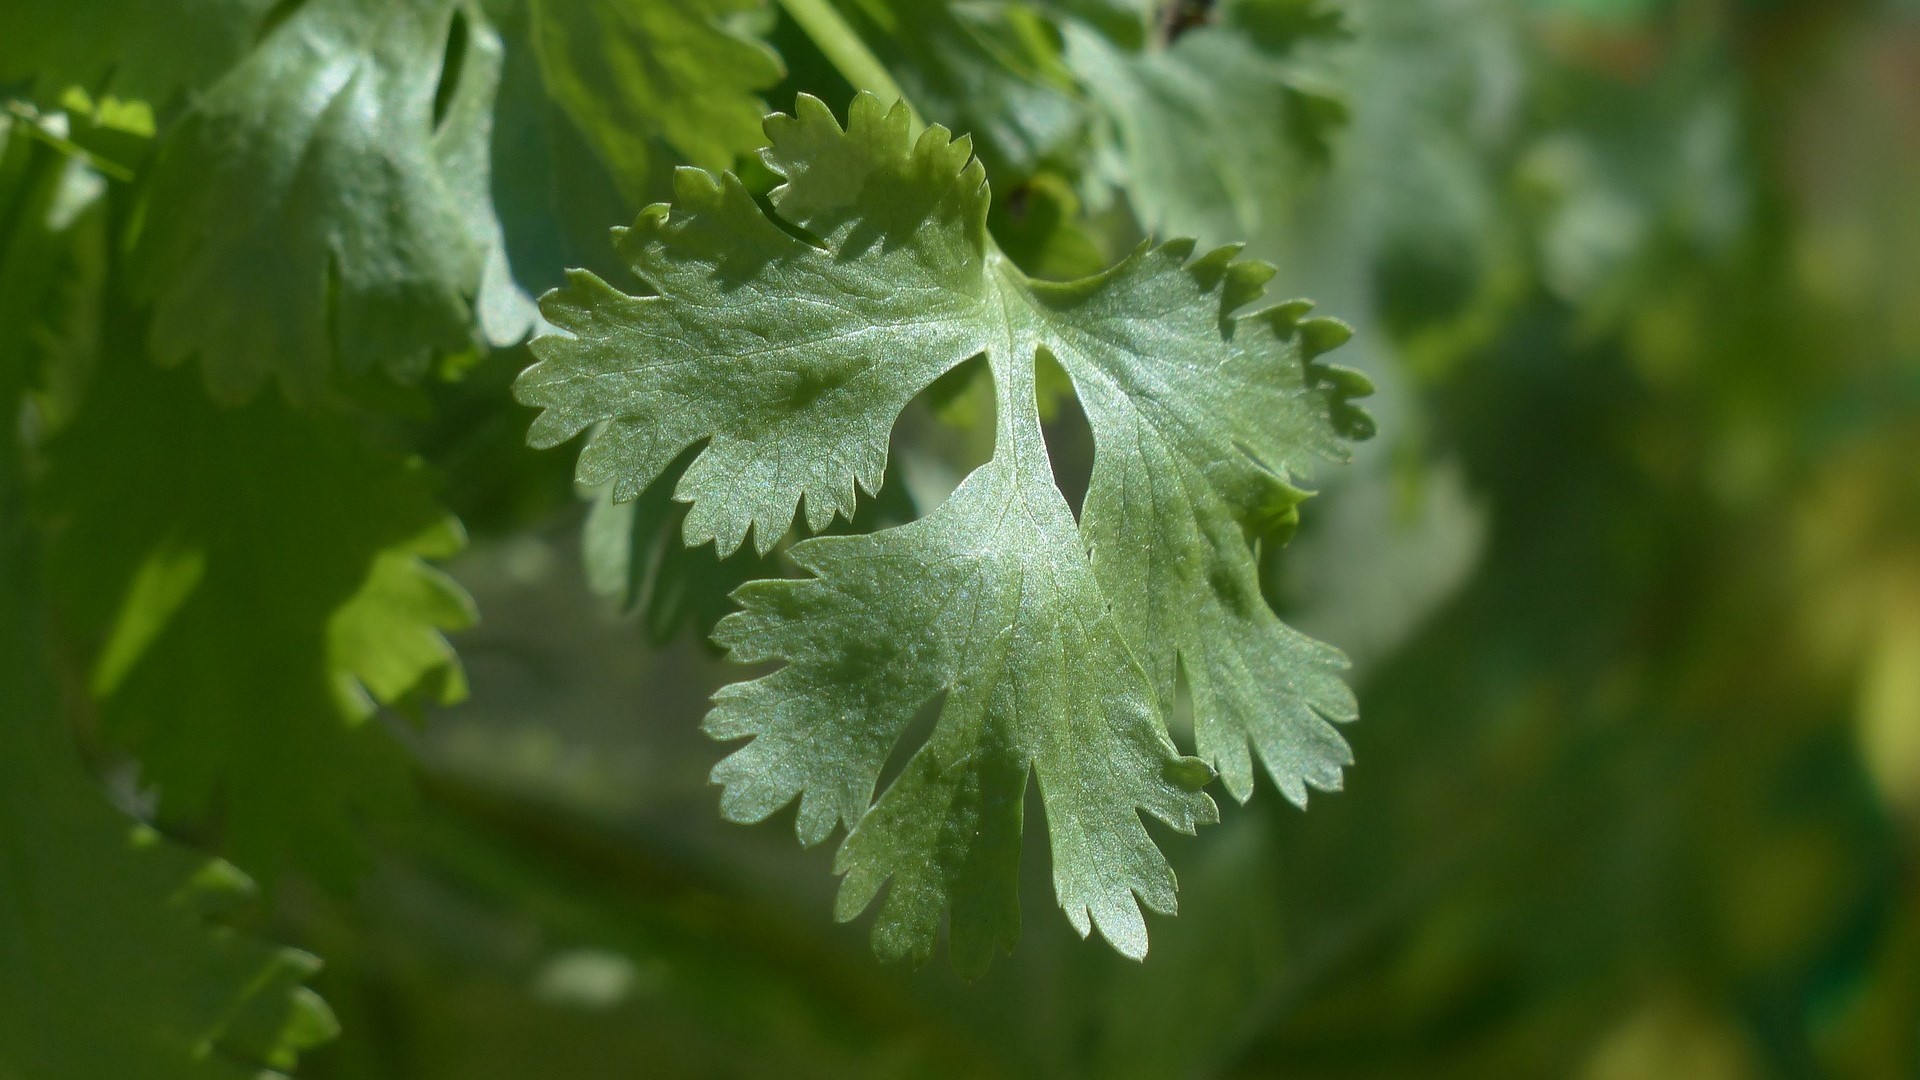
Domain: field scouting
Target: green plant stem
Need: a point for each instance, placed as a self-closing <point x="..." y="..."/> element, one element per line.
<point x="31" y="123"/>
<point x="850" y="56"/>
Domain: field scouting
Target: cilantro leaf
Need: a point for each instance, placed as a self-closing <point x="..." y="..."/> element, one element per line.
<point x="788" y="347"/>
<point x="255" y="580"/>
<point x="1195" y="477"/>
<point x="108" y="964"/>
<point x="1214" y="124"/>
<point x="86" y="893"/>
<point x="632" y="553"/>
<point x="629" y="73"/>
<point x="328" y="197"/>
<point x="1004" y="619"/>
<point x="839" y="345"/>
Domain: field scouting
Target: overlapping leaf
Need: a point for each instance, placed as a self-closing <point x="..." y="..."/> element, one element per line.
<point x="629" y="73"/>
<point x="786" y="349"/>
<point x="107" y="964"/>
<point x="991" y="67"/>
<point x="114" y="48"/>
<point x="323" y="211"/>
<point x="633" y="554"/>
<point x="1216" y="124"/>
<point x="255" y="579"/>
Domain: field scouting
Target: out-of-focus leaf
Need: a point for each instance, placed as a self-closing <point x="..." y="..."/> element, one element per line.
<point x="986" y="68"/>
<point x="108" y="966"/>
<point x="629" y="73"/>
<point x="255" y="578"/>
<point x="633" y="553"/>
<point x="52" y="266"/>
<point x="1038" y="225"/>
<point x="1382" y="555"/>
<point x="322" y="213"/>
<point x="125" y="50"/>
<point x="1218" y="125"/>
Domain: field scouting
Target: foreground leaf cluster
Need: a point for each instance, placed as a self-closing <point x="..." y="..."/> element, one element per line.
<point x="787" y="343"/>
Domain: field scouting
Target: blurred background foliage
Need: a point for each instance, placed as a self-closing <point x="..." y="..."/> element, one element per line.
<point x="1631" y="576"/>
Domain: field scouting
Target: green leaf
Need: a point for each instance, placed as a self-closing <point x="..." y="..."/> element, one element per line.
<point x="256" y="579"/>
<point x="1418" y="205"/>
<point x="1126" y="22"/>
<point x="107" y="968"/>
<point x="1216" y="126"/>
<point x="630" y="73"/>
<point x="108" y="963"/>
<point x="128" y="50"/>
<point x="323" y="211"/>
<point x="788" y="348"/>
<point x="632" y="553"/>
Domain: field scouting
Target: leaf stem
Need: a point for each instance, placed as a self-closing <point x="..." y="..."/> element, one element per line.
<point x="35" y="124"/>
<point x="843" y="46"/>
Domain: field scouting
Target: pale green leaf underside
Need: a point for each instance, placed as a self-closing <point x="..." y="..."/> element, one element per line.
<point x="789" y="349"/>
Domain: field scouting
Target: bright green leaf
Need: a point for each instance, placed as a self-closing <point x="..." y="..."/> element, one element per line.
<point x="789" y="347"/>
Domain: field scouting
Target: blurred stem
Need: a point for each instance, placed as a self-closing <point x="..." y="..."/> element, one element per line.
<point x="31" y="122"/>
<point x="843" y="46"/>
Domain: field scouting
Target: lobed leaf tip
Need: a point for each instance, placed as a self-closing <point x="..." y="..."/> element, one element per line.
<point x="1188" y="773"/>
<point x="1179" y="248"/>
<point x="1216" y="261"/>
<point x="1287" y="314"/>
<point x="694" y="185"/>
<point x="808" y="109"/>
<point x="1323" y="334"/>
<point x="866" y="111"/>
<point x="1350" y="382"/>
